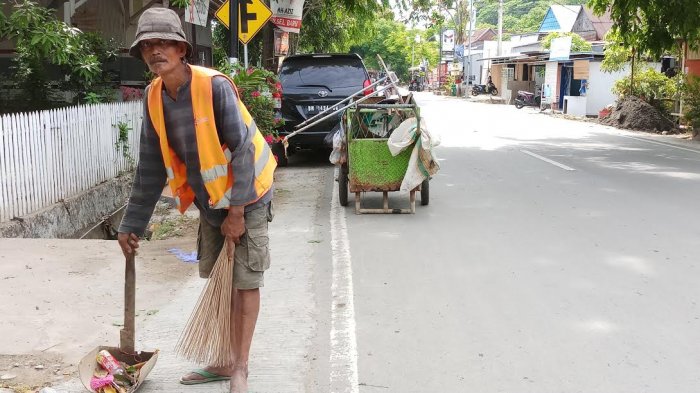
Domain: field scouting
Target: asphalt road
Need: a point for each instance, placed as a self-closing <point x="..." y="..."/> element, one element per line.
<point x="555" y="256"/>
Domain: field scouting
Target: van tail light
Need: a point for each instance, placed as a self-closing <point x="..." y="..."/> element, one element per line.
<point x="367" y="90"/>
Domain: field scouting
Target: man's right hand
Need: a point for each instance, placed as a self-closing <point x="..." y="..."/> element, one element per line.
<point x="129" y="242"/>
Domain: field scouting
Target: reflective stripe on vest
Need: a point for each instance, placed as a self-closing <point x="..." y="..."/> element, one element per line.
<point x="214" y="157"/>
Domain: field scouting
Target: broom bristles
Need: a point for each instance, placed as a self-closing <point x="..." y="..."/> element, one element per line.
<point x="206" y="338"/>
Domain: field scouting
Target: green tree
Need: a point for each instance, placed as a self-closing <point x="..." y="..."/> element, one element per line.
<point x="51" y="58"/>
<point x="617" y="54"/>
<point x="450" y="13"/>
<point x="691" y="97"/>
<point x="578" y="44"/>
<point x="396" y="44"/>
<point x="334" y="25"/>
<point x="652" y="86"/>
<point x="655" y="26"/>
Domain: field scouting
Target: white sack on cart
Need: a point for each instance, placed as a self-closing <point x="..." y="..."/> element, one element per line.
<point x="339" y="154"/>
<point x="422" y="163"/>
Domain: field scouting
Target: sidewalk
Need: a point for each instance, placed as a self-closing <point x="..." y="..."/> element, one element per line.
<point x="681" y="140"/>
<point x="56" y="303"/>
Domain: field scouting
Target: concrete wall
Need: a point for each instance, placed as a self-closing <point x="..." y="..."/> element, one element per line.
<point x="516" y="86"/>
<point x="496" y="76"/>
<point x="551" y="82"/>
<point x="73" y="216"/>
<point x="599" y="93"/>
<point x="600" y="85"/>
<point x="477" y="67"/>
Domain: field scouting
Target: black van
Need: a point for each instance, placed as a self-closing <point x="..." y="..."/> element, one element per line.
<point x="313" y="83"/>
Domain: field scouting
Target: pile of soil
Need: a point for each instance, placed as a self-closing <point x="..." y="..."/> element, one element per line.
<point x="635" y="114"/>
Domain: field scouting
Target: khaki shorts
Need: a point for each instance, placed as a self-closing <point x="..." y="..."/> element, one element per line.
<point x="252" y="255"/>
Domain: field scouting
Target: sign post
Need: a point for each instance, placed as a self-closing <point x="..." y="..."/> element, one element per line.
<point x="245" y="55"/>
<point x="233" y="29"/>
<point x="248" y="16"/>
<point x="251" y="17"/>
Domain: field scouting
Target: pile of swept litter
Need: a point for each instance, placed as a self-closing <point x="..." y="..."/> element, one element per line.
<point x="635" y="114"/>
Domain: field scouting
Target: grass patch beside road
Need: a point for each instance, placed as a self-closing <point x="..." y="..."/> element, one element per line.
<point x="173" y="227"/>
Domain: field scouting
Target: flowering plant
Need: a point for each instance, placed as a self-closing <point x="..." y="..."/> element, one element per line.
<point x="258" y="89"/>
<point x="130" y="93"/>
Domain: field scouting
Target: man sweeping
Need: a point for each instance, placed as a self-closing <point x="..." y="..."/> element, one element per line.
<point x="197" y="135"/>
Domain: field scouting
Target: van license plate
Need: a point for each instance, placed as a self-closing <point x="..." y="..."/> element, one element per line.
<point x="311" y="109"/>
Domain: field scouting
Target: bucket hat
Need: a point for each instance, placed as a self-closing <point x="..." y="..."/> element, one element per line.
<point x="158" y="23"/>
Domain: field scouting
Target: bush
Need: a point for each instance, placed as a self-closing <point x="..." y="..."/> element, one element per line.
<point x="651" y="86"/>
<point x="578" y="44"/>
<point x="449" y="81"/>
<point x="52" y="58"/>
<point x="258" y="88"/>
<point x="691" y="101"/>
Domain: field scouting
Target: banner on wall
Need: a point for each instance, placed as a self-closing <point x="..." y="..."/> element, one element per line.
<point x="197" y="12"/>
<point x="560" y="49"/>
<point x="581" y="69"/>
<point x="448" y="41"/>
<point x="281" y="43"/>
<point x="286" y="14"/>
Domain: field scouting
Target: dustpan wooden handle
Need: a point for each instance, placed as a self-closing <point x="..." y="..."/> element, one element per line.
<point x="127" y="333"/>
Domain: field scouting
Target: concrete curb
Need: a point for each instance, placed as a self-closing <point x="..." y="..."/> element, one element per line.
<point x="69" y="217"/>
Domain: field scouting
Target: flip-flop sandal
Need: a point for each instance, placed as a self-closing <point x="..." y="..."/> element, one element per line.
<point x="207" y="377"/>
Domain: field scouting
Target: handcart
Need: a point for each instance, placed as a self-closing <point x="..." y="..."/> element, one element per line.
<point x="369" y="165"/>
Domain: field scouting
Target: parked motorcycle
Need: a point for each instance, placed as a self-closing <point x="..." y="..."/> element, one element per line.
<point x="415" y="86"/>
<point x="525" y="98"/>
<point x="489" y="88"/>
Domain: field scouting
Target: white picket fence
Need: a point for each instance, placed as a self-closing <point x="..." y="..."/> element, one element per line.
<point x="52" y="155"/>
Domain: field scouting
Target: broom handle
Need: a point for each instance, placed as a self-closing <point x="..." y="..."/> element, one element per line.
<point x="127" y="333"/>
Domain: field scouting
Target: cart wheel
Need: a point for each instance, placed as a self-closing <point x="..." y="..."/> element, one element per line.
<point x="425" y="192"/>
<point x="278" y="150"/>
<point x="343" y="185"/>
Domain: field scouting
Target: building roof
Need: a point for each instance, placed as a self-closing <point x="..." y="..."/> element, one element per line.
<point x="560" y="18"/>
<point x="482" y="35"/>
<point x="602" y="24"/>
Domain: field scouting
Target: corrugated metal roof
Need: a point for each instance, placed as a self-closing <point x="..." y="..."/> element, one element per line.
<point x="602" y="24"/>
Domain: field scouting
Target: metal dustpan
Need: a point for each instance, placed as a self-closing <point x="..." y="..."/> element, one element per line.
<point x="125" y="352"/>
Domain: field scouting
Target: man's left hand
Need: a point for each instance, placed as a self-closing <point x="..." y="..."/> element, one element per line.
<point x="233" y="226"/>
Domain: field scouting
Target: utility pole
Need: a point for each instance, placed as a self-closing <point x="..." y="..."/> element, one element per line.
<point x="413" y="53"/>
<point x="499" y="51"/>
<point x="469" y="51"/>
<point x="440" y="58"/>
<point x="233" y="31"/>
<point x="413" y="49"/>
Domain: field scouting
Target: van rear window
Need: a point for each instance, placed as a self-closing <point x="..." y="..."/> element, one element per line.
<point x="331" y="72"/>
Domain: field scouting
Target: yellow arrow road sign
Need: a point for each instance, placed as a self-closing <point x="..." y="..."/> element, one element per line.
<point x="252" y="16"/>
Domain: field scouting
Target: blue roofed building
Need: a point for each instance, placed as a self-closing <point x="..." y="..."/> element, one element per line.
<point x="560" y="18"/>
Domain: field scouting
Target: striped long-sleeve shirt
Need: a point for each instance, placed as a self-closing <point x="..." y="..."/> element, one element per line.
<point x="150" y="177"/>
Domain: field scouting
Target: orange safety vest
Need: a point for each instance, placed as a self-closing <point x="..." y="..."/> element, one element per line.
<point x="214" y="157"/>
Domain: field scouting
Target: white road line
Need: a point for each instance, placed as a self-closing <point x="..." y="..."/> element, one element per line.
<point x="343" y="351"/>
<point x="560" y="165"/>
<point x="662" y="144"/>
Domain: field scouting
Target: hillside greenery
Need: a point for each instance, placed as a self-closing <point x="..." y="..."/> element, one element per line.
<point x="519" y="16"/>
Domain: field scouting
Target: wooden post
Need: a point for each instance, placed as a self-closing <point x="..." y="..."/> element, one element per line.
<point x="268" y="48"/>
<point x="233" y="32"/>
<point x="126" y="342"/>
<point x="634" y="54"/>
